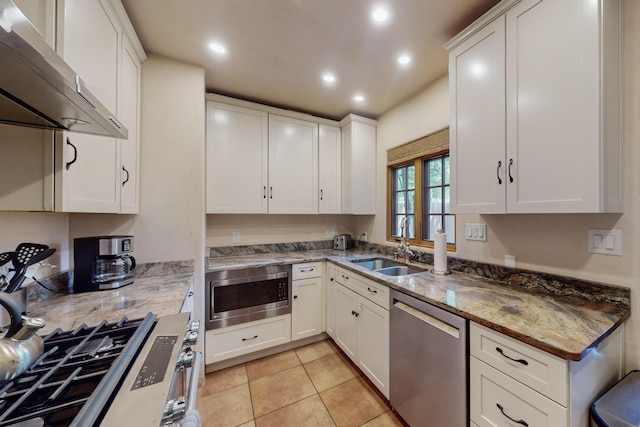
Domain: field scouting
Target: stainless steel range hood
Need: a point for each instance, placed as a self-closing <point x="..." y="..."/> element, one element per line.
<point x="38" y="89"/>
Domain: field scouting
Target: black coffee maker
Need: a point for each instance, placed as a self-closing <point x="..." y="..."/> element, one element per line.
<point x="102" y="262"/>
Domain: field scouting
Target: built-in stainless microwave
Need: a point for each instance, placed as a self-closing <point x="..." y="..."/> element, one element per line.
<point x="239" y="296"/>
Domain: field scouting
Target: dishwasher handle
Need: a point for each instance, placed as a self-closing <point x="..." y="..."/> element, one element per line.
<point x="436" y="323"/>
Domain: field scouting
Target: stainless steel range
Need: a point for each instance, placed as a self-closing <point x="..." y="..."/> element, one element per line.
<point x="139" y="372"/>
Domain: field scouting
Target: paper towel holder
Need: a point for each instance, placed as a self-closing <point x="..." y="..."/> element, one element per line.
<point x="439" y="273"/>
<point x="440" y="251"/>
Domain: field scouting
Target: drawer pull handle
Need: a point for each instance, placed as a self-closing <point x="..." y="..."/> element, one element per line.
<point x="524" y="423"/>
<point x="249" y="339"/>
<point x="345" y="277"/>
<point x="308" y="270"/>
<point x="524" y="362"/>
<point x="355" y="313"/>
<point x="373" y="291"/>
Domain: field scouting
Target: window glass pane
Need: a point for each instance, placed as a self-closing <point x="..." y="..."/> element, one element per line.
<point x="400" y="179"/>
<point x="447" y="200"/>
<point x="400" y="203"/>
<point x="446" y="170"/>
<point x="435" y="222"/>
<point x="398" y="223"/>
<point x="411" y="177"/>
<point x="411" y="199"/>
<point x="435" y="200"/>
<point x="410" y="229"/>
<point x="435" y="172"/>
<point x="450" y="228"/>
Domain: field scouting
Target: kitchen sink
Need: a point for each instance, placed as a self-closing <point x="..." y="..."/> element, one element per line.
<point x="400" y="270"/>
<point x="388" y="267"/>
<point x="377" y="263"/>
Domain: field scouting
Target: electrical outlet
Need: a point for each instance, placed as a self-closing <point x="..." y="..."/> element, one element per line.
<point x="510" y="261"/>
<point x="235" y="237"/>
<point x="331" y="233"/>
<point x="364" y="237"/>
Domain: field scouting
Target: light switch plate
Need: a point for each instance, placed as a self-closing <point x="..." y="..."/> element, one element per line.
<point x="476" y="232"/>
<point x="606" y="242"/>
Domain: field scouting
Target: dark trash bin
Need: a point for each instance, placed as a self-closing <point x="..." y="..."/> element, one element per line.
<point x="620" y="405"/>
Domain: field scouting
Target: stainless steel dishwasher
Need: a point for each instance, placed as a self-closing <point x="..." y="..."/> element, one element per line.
<point x="428" y="364"/>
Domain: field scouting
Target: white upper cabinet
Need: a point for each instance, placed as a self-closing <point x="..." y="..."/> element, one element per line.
<point x="477" y="131"/>
<point x="129" y="114"/>
<point x="535" y="99"/>
<point x="358" y="165"/>
<point x="88" y="177"/>
<point x="237" y="159"/>
<point x="293" y="165"/>
<point x="329" y="153"/>
<point x="97" y="173"/>
<point x="263" y="159"/>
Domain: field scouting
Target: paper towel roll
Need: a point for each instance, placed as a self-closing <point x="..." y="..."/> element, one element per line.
<point x="440" y="252"/>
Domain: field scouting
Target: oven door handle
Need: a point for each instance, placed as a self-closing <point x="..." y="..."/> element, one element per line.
<point x="192" y="389"/>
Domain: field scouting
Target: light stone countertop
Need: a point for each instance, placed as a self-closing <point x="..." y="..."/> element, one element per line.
<point x="160" y="295"/>
<point x="568" y="326"/>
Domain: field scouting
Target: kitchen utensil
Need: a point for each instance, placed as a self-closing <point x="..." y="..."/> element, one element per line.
<point x="5" y="257"/>
<point x="20" y="346"/>
<point x="27" y="254"/>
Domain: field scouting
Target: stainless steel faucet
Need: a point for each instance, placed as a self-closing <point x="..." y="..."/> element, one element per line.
<point x="404" y="248"/>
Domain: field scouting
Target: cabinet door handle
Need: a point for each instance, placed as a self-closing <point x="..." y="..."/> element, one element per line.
<point x="75" y="154"/>
<point x="332" y="279"/>
<point x="510" y="164"/>
<point x="373" y="291"/>
<point x="498" y="172"/>
<point x="249" y="339"/>
<point x="295" y="297"/>
<point x="355" y="313"/>
<point x="321" y="194"/>
<point x="524" y="362"/>
<point x="264" y="192"/>
<point x="271" y="192"/>
<point x="126" y="180"/>
<point x="524" y="423"/>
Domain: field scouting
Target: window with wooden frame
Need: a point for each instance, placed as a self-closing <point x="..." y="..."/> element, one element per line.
<point x="418" y="191"/>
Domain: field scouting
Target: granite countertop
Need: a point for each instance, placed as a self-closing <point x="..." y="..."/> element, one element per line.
<point x="565" y="323"/>
<point x="161" y="295"/>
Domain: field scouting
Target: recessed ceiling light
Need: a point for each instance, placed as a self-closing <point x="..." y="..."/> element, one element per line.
<point x="218" y="48"/>
<point x="358" y="98"/>
<point x="329" y="78"/>
<point x="379" y="14"/>
<point x="404" y="59"/>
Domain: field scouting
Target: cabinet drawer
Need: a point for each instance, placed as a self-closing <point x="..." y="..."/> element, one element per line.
<point x="306" y="270"/>
<point x="369" y="289"/>
<point x="498" y="400"/>
<point x="233" y="341"/>
<point x="533" y="367"/>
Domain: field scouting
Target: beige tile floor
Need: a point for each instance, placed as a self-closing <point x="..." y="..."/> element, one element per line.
<point x="313" y="385"/>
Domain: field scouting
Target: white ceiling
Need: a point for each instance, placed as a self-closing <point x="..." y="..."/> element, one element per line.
<point x="277" y="50"/>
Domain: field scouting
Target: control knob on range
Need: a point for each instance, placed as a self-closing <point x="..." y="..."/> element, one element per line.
<point x="191" y="336"/>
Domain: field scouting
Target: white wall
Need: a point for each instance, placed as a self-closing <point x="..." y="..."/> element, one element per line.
<point x="260" y="229"/>
<point x="548" y="243"/>
<point x="171" y="223"/>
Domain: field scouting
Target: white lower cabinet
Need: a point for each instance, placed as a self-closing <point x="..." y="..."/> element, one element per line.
<point x="225" y="343"/>
<point x="512" y="383"/>
<point x="361" y="327"/>
<point x="307" y="307"/>
<point x="330" y="298"/>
